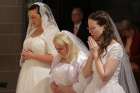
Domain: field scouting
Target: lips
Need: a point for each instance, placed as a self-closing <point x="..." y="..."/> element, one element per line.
<point x="92" y="34"/>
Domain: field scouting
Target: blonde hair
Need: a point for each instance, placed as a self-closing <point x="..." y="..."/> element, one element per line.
<point x="64" y="40"/>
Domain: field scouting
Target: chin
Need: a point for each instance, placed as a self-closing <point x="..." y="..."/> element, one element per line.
<point x="63" y="56"/>
<point x="34" y="25"/>
<point x="93" y="36"/>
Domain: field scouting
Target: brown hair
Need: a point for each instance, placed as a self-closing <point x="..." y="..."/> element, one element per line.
<point x="102" y="19"/>
<point x="34" y="6"/>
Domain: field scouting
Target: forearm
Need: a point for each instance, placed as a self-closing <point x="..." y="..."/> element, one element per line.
<point x="43" y="58"/>
<point x="68" y="90"/>
<point x="106" y="70"/>
<point x="87" y="70"/>
<point x="100" y="69"/>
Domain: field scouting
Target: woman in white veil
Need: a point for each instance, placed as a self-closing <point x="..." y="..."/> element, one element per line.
<point x="38" y="50"/>
<point x="68" y="64"/>
<point x="111" y="69"/>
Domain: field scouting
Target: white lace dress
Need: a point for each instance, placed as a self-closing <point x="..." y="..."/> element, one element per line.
<point x="67" y="74"/>
<point x="34" y="75"/>
<point x="112" y="86"/>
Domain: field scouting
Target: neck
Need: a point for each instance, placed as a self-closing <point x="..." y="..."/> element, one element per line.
<point x="38" y="31"/>
<point x="39" y="28"/>
<point x="65" y="60"/>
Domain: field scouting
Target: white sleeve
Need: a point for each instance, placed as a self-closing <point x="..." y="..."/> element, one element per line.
<point x="49" y="36"/>
<point x="116" y="52"/>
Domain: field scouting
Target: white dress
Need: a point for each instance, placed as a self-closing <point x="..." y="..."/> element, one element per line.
<point x="112" y="86"/>
<point x="34" y="75"/>
<point x="67" y="74"/>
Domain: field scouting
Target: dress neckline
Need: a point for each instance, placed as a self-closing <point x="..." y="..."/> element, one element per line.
<point x="37" y="35"/>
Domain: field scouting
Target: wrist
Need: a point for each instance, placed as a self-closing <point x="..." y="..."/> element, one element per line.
<point x="32" y="56"/>
<point x="96" y="59"/>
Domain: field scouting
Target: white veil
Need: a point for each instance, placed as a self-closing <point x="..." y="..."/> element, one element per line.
<point x="81" y="46"/>
<point x="126" y="77"/>
<point x="49" y="26"/>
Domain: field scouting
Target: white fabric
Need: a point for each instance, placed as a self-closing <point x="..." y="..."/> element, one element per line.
<point x="67" y="74"/>
<point x="111" y="86"/>
<point x="81" y="46"/>
<point x="82" y="83"/>
<point x="76" y="28"/>
<point x="35" y="75"/>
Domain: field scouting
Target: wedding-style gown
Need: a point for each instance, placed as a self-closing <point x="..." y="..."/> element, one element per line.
<point x="34" y="75"/>
<point x="112" y="86"/>
<point x="63" y="73"/>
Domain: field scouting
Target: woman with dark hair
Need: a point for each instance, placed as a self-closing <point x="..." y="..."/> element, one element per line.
<point x="38" y="51"/>
<point x="108" y="63"/>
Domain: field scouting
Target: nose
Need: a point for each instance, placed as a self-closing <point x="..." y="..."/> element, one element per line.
<point x="91" y="31"/>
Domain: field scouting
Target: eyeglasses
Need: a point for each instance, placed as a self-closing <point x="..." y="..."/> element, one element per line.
<point x="91" y="29"/>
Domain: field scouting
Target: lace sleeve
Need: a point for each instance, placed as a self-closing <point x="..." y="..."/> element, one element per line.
<point x="116" y="52"/>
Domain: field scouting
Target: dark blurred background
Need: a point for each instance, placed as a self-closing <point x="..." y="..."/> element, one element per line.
<point x="118" y="9"/>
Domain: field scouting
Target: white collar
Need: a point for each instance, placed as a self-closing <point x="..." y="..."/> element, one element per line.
<point x="77" y="25"/>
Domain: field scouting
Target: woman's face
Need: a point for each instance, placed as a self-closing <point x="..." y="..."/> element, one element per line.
<point x="95" y="29"/>
<point x="62" y="50"/>
<point x="34" y="17"/>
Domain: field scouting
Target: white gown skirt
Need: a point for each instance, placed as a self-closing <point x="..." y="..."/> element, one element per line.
<point x="34" y="78"/>
<point x="112" y="87"/>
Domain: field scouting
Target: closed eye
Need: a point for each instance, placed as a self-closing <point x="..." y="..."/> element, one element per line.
<point x="91" y="29"/>
<point x="59" y="49"/>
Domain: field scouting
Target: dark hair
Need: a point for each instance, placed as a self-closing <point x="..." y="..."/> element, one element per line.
<point x="103" y="19"/>
<point x="34" y="6"/>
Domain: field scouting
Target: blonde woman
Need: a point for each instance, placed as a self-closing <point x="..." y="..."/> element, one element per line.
<point x="72" y="54"/>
